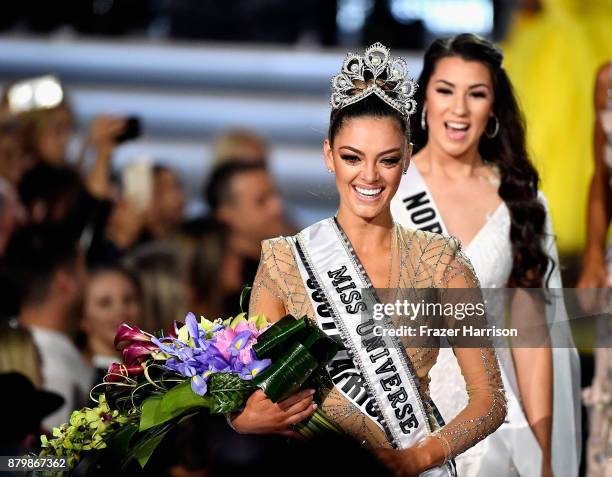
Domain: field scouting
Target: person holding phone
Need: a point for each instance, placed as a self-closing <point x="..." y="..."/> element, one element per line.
<point x="43" y="108"/>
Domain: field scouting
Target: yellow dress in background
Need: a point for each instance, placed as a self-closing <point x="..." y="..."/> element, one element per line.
<point x="552" y="58"/>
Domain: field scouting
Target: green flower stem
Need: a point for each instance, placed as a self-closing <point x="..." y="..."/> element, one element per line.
<point x="319" y="423"/>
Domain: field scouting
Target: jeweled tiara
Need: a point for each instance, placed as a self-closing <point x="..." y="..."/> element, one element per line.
<point x="376" y="72"/>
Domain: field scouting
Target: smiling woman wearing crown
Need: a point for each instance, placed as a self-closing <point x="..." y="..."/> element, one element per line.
<point x="325" y="271"/>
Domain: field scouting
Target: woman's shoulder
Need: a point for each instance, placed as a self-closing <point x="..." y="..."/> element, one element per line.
<point x="277" y="255"/>
<point x="281" y="242"/>
<point x="440" y="255"/>
<point x="430" y="241"/>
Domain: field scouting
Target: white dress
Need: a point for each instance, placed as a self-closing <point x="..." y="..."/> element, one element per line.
<point x="512" y="450"/>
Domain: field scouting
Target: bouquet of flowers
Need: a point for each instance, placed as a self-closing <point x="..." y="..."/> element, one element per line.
<point x="214" y="365"/>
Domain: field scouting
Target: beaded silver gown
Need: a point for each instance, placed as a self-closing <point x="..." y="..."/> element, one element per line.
<point x="418" y="259"/>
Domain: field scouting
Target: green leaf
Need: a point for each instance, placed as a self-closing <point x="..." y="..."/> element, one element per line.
<point x="276" y="339"/>
<point x="183" y="334"/>
<point x="205" y="324"/>
<point x="237" y="319"/>
<point x="287" y="374"/>
<point x="318" y="423"/>
<point x="259" y="320"/>
<point x="181" y="398"/>
<point x="159" y="409"/>
<point x="147" y="442"/>
<point x="143" y="452"/>
<point x="119" y="441"/>
<point x="151" y="413"/>
<point x="243" y="294"/>
<point x="228" y="392"/>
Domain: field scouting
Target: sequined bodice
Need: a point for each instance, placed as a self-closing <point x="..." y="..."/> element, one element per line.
<point x="418" y="260"/>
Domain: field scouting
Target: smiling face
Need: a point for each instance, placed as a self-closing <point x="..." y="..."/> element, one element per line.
<point x="110" y="299"/>
<point x="367" y="156"/>
<point x="459" y="101"/>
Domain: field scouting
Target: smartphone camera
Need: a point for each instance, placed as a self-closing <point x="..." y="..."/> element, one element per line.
<point x="132" y="130"/>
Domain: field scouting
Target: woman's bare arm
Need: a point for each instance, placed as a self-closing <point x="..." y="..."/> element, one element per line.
<point x="599" y="210"/>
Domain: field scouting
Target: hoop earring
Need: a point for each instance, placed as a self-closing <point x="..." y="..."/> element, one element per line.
<point x="424" y="118"/>
<point x="495" y="130"/>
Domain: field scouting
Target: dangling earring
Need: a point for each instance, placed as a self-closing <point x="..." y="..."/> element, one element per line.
<point x="331" y="171"/>
<point x="424" y="118"/>
<point x="495" y="129"/>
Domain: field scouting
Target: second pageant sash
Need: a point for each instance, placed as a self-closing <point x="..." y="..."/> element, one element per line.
<point x="414" y="207"/>
<point x="340" y="293"/>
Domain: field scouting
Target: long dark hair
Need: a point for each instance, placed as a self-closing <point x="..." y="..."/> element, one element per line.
<point x="507" y="150"/>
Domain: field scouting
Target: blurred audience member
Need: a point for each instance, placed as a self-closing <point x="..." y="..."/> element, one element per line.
<point x="12" y="213"/>
<point x="596" y="273"/>
<point x="18" y="353"/>
<point x="44" y="111"/>
<point x="50" y="271"/>
<point x="162" y="276"/>
<point x="13" y="160"/>
<point x="150" y="209"/>
<point x="50" y="192"/>
<point x="215" y="273"/>
<point x="239" y="145"/>
<point x="167" y="204"/>
<point x="243" y="196"/>
<point x="25" y="406"/>
<point x="57" y="193"/>
<point x="111" y="297"/>
<point x="47" y="133"/>
<point x="123" y="230"/>
<point x="103" y="137"/>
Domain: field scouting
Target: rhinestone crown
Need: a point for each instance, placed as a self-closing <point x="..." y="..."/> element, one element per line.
<point x="376" y="72"/>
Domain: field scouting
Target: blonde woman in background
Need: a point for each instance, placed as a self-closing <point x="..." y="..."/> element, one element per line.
<point x="239" y="144"/>
<point x="18" y="353"/>
<point x="49" y="128"/>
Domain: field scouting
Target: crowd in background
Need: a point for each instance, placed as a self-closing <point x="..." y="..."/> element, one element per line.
<point x="82" y="251"/>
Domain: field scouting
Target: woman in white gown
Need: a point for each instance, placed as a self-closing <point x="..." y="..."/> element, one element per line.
<point x="472" y="178"/>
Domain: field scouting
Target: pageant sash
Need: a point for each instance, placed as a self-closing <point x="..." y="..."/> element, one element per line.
<point x="374" y="372"/>
<point x="413" y="207"/>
